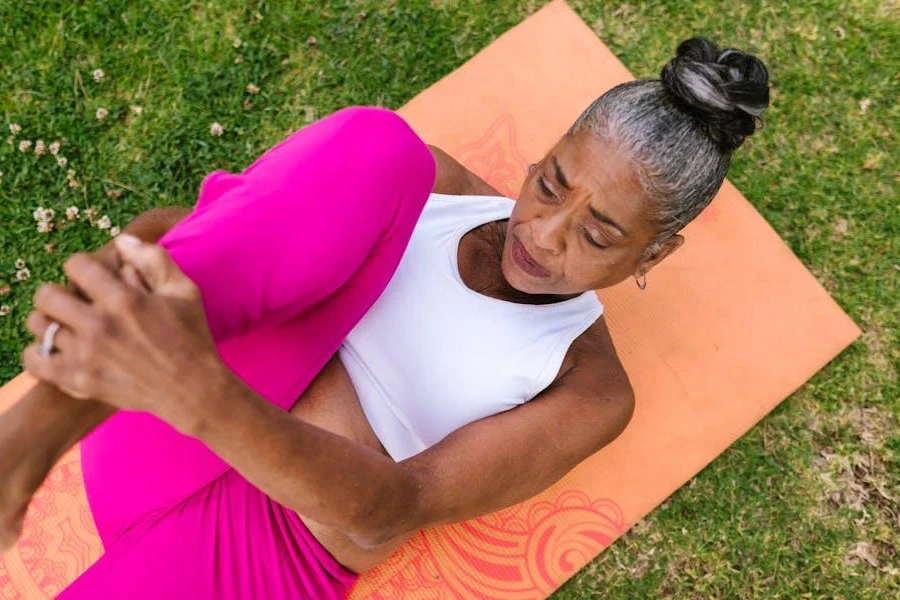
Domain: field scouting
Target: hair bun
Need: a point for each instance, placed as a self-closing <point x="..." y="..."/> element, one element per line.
<point x="726" y="90"/>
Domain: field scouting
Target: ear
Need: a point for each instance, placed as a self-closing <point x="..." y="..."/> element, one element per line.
<point x="669" y="246"/>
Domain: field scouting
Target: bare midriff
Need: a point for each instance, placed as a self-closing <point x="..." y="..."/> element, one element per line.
<point x="331" y="402"/>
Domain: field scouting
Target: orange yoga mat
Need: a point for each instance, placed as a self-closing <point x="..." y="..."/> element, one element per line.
<point x="728" y="326"/>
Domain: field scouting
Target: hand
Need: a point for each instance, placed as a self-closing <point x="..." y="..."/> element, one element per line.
<point x="109" y="257"/>
<point x="138" y="344"/>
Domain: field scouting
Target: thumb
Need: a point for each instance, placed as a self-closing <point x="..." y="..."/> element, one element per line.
<point x="154" y="265"/>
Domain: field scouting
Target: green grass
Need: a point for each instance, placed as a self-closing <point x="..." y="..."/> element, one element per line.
<point x="790" y="509"/>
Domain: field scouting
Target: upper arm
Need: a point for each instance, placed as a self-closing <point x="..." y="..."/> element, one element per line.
<point x="455" y="179"/>
<point x="506" y="458"/>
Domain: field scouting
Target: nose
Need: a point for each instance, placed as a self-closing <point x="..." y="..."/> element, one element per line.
<point x="548" y="231"/>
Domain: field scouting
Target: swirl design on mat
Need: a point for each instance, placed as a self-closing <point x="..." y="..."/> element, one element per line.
<point x="496" y="158"/>
<point x="59" y="540"/>
<point x="524" y="551"/>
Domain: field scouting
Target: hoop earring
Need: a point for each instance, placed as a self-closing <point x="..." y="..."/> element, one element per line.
<point x="531" y="167"/>
<point x="639" y="284"/>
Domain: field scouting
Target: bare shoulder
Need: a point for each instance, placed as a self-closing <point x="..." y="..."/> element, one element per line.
<point x="592" y="361"/>
<point x="455" y="179"/>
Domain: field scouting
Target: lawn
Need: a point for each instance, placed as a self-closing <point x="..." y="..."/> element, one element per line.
<point x="806" y="505"/>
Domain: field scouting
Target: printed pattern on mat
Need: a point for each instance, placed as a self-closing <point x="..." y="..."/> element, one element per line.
<point x="519" y="553"/>
<point x="495" y="157"/>
<point x="59" y="540"/>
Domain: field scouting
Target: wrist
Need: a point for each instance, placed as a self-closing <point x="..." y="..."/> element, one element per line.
<point x="201" y="405"/>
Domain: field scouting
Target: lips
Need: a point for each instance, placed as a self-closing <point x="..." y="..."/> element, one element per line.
<point x="525" y="260"/>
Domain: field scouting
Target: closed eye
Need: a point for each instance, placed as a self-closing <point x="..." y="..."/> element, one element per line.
<point x="591" y="240"/>
<point x="544" y="189"/>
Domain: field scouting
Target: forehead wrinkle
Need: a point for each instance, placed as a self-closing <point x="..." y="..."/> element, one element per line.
<point x="603" y="178"/>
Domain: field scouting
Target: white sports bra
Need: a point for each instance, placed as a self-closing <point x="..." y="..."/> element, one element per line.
<point x="432" y="355"/>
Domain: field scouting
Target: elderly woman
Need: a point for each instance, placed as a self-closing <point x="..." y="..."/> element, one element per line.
<point x="356" y="337"/>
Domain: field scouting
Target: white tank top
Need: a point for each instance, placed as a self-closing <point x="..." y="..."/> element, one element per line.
<point x="432" y="355"/>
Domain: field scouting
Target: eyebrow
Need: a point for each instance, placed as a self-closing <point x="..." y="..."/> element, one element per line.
<point x="559" y="175"/>
<point x="596" y="213"/>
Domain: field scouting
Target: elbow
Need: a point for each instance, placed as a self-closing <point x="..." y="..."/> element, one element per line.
<point x="369" y="535"/>
<point x="371" y="539"/>
<point x="395" y="512"/>
<point x="624" y="411"/>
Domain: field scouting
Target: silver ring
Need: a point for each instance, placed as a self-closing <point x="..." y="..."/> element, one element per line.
<point x="47" y="342"/>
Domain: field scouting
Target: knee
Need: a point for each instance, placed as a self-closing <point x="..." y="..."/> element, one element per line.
<point x="388" y="141"/>
<point x="372" y="123"/>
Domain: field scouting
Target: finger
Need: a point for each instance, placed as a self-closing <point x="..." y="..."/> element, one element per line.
<point x="132" y="278"/>
<point x="50" y="368"/>
<point x="62" y="305"/>
<point x="70" y="285"/>
<point x="55" y="369"/>
<point x="95" y="280"/>
<point x="154" y="265"/>
<point x="38" y="324"/>
<point x="109" y="257"/>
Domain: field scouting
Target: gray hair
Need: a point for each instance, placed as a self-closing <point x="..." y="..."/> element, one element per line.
<point x="682" y="129"/>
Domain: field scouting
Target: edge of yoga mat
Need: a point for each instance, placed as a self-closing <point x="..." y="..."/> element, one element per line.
<point x="728" y="326"/>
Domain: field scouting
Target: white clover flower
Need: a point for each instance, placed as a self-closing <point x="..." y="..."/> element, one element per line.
<point x="15" y="128"/>
<point x="23" y="274"/>
<point x="62" y="161"/>
<point x="90" y="212"/>
<point x="39" y="148"/>
<point x="101" y="114"/>
<point x="252" y="89"/>
<point x="43" y="214"/>
<point x="98" y="74"/>
<point x="72" y="213"/>
<point x="115" y="231"/>
<point x="238" y="59"/>
<point x="45" y="226"/>
<point x="104" y="223"/>
<point x="20" y="264"/>
<point x="237" y="43"/>
<point x="54" y="148"/>
<point x="24" y="145"/>
<point x="216" y="129"/>
<point x="4" y="310"/>
<point x="136" y="109"/>
<point x="73" y="184"/>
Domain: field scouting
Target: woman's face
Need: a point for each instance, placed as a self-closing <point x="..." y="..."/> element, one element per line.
<point x="583" y="218"/>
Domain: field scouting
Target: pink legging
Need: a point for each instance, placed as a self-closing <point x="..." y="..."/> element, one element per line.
<point x="289" y="255"/>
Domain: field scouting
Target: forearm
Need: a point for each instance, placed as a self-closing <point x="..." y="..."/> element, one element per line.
<point x="323" y="476"/>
